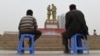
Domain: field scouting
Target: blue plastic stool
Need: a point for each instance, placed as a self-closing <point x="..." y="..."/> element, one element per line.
<point x="73" y="47"/>
<point x="31" y="48"/>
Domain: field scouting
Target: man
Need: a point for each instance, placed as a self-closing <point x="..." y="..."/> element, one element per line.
<point x="28" y="25"/>
<point x="73" y="21"/>
<point x="54" y="12"/>
<point x="48" y="12"/>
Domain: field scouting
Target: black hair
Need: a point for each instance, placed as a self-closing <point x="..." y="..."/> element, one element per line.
<point x="72" y="6"/>
<point x="29" y="12"/>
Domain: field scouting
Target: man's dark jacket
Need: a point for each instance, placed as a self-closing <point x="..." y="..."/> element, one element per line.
<point x="74" y="19"/>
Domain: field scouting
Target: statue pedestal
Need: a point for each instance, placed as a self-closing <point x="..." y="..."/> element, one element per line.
<point x="51" y="24"/>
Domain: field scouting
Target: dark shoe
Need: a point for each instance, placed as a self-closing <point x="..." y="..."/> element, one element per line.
<point x="22" y="52"/>
<point x="66" y="52"/>
<point x="80" y="51"/>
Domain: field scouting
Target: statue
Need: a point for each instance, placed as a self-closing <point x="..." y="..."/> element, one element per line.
<point x="53" y="11"/>
<point x="51" y="21"/>
<point x="48" y="12"/>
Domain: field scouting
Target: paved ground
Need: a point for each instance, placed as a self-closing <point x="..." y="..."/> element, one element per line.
<point x="48" y="53"/>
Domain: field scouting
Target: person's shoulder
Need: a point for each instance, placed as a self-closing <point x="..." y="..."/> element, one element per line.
<point x="27" y="17"/>
<point x="33" y="17"/>
<point x="78" y="11"/>
<point x="23" y="16"/>
<point x="68" y="12"/>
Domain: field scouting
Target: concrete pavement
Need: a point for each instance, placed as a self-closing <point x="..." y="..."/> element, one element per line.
<point x="47" y="53"/>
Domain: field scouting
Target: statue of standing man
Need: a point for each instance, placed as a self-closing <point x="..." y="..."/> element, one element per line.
<point x="48" y="12"/>
<point x="53" y="11"/>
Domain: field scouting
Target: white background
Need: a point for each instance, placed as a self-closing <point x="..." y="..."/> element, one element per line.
<point x="12" y="10"/>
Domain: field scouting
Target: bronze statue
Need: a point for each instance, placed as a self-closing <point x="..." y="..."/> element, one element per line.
<point x="48" y="12"/>
<point x="54" y="12"/>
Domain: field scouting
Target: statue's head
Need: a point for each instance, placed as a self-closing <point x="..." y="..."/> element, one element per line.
<point x="52" y="4"/>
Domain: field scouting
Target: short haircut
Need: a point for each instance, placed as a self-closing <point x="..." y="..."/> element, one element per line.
<point x="72" y="6"/>
<point x="29" y="12"/>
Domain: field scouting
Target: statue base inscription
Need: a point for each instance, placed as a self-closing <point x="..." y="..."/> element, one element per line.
<point x="51" y="24"/>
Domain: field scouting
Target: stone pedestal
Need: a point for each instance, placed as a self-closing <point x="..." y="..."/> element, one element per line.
<point x="51" y="24"/>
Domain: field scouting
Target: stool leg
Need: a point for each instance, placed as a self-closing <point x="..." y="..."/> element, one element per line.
<point x="75" y="44"/>
<point x="86" y="44"/>
<point x="20" y="47"/>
